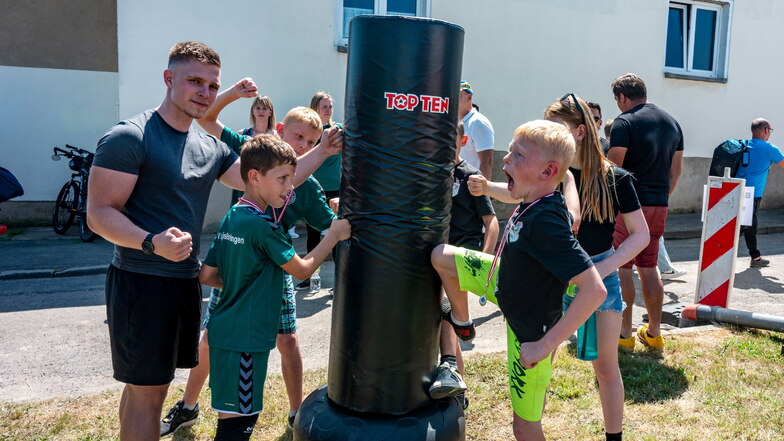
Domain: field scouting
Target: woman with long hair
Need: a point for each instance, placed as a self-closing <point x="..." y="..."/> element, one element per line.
<point x="262" y="118"/>
<point x="604" y="191"/>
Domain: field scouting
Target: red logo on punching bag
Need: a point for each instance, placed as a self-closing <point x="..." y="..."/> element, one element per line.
<point x="409" y="102"/>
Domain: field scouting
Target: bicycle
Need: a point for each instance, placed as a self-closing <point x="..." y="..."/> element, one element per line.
<point x="71" y="202"/>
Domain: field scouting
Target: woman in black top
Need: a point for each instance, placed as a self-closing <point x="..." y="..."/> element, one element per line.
<point x="604" y="190"/>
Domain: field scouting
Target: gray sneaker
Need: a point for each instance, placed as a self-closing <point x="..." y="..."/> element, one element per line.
<point x="448" y="382"/>
<point x="178" y="417"/>
<point x="759" y="263"/>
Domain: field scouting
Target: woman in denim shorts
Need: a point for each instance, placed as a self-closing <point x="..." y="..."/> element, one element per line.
<point x="605" y="190"/>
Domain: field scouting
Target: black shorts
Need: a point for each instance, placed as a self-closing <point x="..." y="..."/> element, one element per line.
<point x="153" y="325"/>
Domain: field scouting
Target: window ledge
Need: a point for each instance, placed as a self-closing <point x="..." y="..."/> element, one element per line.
<point x="342" y="48"/>
<point x="694" y="77"/>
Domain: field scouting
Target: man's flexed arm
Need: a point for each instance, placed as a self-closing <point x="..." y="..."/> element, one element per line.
<point x="108" y="192"/>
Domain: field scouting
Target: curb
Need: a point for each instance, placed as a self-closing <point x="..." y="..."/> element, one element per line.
<point x="51" y="273"/>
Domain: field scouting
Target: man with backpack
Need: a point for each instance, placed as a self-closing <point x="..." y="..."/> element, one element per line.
<point x="761" y="155"/>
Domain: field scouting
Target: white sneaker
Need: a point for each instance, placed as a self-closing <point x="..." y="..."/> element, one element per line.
<point x="292" y="233"/>
<point x="672" y="274"/>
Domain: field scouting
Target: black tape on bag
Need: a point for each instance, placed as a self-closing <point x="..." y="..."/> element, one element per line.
<point x="401" y="109"/>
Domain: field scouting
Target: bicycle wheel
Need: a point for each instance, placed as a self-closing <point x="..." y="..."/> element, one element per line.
<point x="85" y="232"/>
<point x="65" y="207"/>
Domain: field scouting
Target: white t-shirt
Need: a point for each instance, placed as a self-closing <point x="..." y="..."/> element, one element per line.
<point x="480" y="136"/>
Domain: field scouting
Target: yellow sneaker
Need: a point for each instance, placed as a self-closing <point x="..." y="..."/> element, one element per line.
<point x="651" y="342"/>
<point x="626" y="343"/>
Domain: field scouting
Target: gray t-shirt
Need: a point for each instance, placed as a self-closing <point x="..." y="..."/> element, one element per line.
<point x="175" y="172"/>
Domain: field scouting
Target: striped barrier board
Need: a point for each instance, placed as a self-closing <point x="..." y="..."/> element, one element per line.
<point x="719" y="245"/>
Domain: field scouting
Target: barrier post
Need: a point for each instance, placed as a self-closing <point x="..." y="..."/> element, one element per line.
<point x="719" y="244"/>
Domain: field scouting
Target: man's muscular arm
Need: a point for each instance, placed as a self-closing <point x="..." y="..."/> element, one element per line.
<point x="107" y="194"/>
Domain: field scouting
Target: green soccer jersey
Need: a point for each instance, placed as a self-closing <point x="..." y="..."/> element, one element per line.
<point x="248" y="251"/>
<point x="235" y="141"/>
<point x="308" y="204"/>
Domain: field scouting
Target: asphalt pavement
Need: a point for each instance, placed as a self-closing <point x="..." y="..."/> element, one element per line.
<point x="53" y="339"/>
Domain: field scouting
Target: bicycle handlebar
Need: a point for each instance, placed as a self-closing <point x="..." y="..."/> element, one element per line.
<point x="82" y="151"/>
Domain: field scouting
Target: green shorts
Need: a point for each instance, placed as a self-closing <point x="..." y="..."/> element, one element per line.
<point x="526" y="386"/>
<point x="473" y="267"/>
<point x="237" y="381"/>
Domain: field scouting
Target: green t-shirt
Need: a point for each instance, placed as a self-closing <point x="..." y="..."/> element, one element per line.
<point x="328" y="174"/>
<point x="235" y="141"/>
<point x="309" y="204"/>
<point x="248" y="251"/>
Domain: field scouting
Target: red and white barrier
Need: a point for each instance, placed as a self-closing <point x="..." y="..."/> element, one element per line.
<point x="719" y="247"/>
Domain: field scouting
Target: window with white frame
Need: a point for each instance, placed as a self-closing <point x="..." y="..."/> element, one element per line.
<point x="347" y="9"/>
<point x="698" y="38"/>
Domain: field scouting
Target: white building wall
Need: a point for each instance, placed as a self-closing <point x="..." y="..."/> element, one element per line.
<point x="44" y="108"/>
<point x="520" y="55"/>
<point x="285" y="46"/>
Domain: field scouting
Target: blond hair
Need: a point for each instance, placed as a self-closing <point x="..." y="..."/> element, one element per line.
<point x="316" y="99"/>
<point x="263" y="153"/>
<point x="304" y="115"/>
<point x="265" y="102"/>
<point x="595" y="198"/>
<point x="554" y="141"/>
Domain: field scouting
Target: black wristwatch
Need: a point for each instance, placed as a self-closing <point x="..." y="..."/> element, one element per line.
<point x="147" y="246"/>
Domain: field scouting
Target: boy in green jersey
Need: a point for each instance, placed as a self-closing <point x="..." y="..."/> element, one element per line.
<point x="247" y="262"/>
<point x="301" y="129"/>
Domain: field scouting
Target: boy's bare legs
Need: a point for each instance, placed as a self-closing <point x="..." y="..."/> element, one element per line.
<point x="450" y="345"/>
<point x="443" y="260"/>
<point x="198" y="375"/>
<point x="527" y="430"/>
<point x="628" y="292"/>
<point x="653" y="295"/>
<point x="608" y="375"/>
<point x="140" y="410"/>
<point x="291" y="367"/>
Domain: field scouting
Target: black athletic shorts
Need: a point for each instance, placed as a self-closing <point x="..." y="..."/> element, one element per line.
<point x="153" y="325"/>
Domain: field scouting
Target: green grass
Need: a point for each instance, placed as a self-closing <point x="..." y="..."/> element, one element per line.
<point x="722" y="385"/>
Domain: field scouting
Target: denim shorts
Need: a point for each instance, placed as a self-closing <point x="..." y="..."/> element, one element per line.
<point x="614" y="300"/>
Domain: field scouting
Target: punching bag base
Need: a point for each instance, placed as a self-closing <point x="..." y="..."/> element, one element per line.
<point x="320" y="420"/>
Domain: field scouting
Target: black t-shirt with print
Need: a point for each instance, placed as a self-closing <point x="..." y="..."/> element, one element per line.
<point x="465" y="228"/>
<point x="540" y="257"/>
<point x="595" y="237"/>
<point x="651" y="137"/>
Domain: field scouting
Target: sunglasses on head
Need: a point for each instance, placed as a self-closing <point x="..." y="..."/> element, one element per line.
<point x="565" y="101"/>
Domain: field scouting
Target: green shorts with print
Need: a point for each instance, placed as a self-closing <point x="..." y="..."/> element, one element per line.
<point x="237" y="381"/>
<point x="527" y="387"/>
<point x="473" y="268"/>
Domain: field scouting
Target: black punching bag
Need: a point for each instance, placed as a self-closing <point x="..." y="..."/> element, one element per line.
<point x="402" y="91"/>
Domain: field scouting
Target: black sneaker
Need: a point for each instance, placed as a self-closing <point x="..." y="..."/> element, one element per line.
<point x="177" y="418"/>
<point x="759" y="263"/>
<point x="464" y="332"/>
<point x="303" y="285"/>
<point x="291" y="420"/>
<point x="448" y="382"/>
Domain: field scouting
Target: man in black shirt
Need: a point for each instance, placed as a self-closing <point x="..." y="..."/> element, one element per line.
<point x="647" y="142"/>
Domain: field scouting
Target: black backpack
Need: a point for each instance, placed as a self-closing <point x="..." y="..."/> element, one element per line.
<point x="731" y="153"/>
